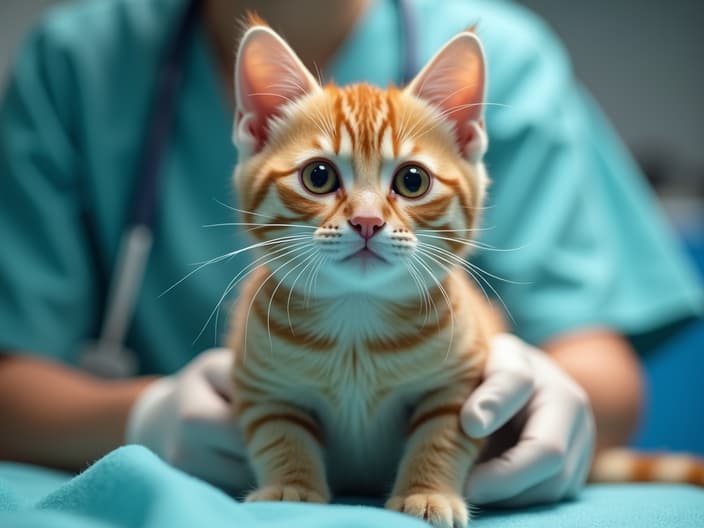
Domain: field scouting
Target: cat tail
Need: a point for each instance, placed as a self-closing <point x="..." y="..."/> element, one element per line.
<point x="626" y="465"/>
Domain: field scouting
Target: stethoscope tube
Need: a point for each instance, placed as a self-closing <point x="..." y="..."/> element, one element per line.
<point x="409" y="42"/>
<point x="108" y="356"/>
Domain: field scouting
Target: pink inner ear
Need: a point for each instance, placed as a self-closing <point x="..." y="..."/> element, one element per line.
<point x="269" y="76"/>
<point x="454" y="81"/>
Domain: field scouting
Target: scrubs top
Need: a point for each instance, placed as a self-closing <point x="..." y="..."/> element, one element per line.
<point x="585" y="239"/>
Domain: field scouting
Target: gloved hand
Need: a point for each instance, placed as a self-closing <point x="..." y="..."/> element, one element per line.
<point x="187" y="420"/>
<point x="541" y="426"/>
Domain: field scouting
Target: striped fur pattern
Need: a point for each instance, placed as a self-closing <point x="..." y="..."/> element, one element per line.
<point x="357" y="335"/>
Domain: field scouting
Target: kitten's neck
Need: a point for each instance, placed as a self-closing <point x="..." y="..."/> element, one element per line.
<point x="349" y="317"/>
<point x="316" y="36"/>
<point x="328" y="294"/>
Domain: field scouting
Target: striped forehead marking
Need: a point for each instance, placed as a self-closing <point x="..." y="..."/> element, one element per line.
<point x="365" y="124"/>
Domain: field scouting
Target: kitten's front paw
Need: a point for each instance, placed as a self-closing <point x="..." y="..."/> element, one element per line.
<point x="440" y="510"/>
<point x="278" y="493"/>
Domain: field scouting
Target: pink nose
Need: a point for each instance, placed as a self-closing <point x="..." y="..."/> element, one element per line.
<point x="367" y="226"/>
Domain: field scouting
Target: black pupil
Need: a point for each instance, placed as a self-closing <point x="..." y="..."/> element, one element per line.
<point x="412" y="179"/>
<point x="319" y="175"/>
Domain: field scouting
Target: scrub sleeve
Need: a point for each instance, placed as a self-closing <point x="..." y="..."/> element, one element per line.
<point x="593" y="248"/>
<point x="47" y="274"/>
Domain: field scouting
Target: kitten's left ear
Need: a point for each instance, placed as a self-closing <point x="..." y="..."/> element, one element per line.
<point x="454" y="81"/>
<point x="268" y="75"/>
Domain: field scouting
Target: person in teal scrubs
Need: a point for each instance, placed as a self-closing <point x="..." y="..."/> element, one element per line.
<point x="596" y="276"/>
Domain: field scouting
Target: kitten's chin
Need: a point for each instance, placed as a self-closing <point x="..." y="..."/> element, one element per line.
<point x="364" y="258"/>
<point x="366" y="266"/>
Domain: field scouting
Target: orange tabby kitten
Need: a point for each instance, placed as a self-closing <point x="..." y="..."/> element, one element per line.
<point x="359" y="337"/>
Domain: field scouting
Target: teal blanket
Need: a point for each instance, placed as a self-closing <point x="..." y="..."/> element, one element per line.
<point x="132" y="487"/>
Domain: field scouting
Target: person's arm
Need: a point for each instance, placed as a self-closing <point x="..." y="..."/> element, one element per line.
<point x="55" y="416"/>
<point x="59" y="417"/>
<point x="607" y="368"/>
<point x="50" y="276"/>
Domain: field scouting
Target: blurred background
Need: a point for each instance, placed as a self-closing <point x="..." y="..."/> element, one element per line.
<point x="643" y="63"/>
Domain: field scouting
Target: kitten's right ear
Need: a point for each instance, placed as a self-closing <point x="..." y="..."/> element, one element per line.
<point x="268" y="76"/>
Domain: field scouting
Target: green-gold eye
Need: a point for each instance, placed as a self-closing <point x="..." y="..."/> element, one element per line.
<point x="320" y="177"/>
<point x="411" y="181"/>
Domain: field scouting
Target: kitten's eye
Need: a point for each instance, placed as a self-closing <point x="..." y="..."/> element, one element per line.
<point x="320" y="177"/>
<point x="411" y="181"/>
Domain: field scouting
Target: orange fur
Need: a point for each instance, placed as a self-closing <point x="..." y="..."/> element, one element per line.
<point x="347" y="373"/>
<point x="624" y="465"/>
<point x="252" y="19"/>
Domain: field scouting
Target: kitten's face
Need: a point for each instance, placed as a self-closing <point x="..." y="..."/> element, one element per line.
<point x="361" y="185"/>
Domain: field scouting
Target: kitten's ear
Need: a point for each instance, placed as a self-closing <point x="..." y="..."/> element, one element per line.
<point x="454" y="81"/>
<point x="268" y="75"/>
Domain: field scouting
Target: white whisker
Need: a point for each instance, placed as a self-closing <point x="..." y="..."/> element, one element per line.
<point x="311" y="261"/>
<point x="422" y="290"/>
<point x="472" y="243"/>
<point x="457" y="262"/>
<point x="226" y="224"/>
<point x="311" y="278"/>
<point x="254" y="297"/>
<point x="243" y="211"/>
<point x="468" y="229"/>
<point x="445" y="296"/>
<point x="231" y="254"/>
<point x="414" y="134"/>
<point x="470" y="269"/>
<point x="317" y="272"/>
<point x="310" y="251"/>
<point x="467" y="263"/>
<point x="244" y="272"/>
<point x="251" y="267"/>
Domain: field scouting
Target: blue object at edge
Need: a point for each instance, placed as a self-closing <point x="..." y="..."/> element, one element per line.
<point x="674" y="415"/>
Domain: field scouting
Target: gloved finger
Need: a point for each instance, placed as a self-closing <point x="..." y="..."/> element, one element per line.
<point x="218" y="370"/>
<point x="581" y="472"/>
<point x="538" y="455"/>
<point x="552" y="421"/>
<point x="224" y="470"/>
<point x="511" y="473"/>
<point x="200" y="401"/>
<point x="552" y="434"/>
<point x="154" y="402"/>
<point x="562" y="485"/>
<point x="494" y="403"/>
<point x="546" y="492"/>
<point x="222" y="435"/>
<point x="579" y="477"/>
<point x="508" y="384"/>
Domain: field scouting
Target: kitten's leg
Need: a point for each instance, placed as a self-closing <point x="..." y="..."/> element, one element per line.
<point x="435" y="464"/>
<point x="285" y="449"/>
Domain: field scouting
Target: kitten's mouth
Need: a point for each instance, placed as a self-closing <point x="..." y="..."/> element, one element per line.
<point x="365" y="255"/>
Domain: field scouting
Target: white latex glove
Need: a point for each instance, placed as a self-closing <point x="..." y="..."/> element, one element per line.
<point x="187" y="420"/>
<point x="541" y="426"/>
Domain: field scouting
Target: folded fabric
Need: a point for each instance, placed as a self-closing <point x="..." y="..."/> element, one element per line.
<point x="131" y="487"/>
